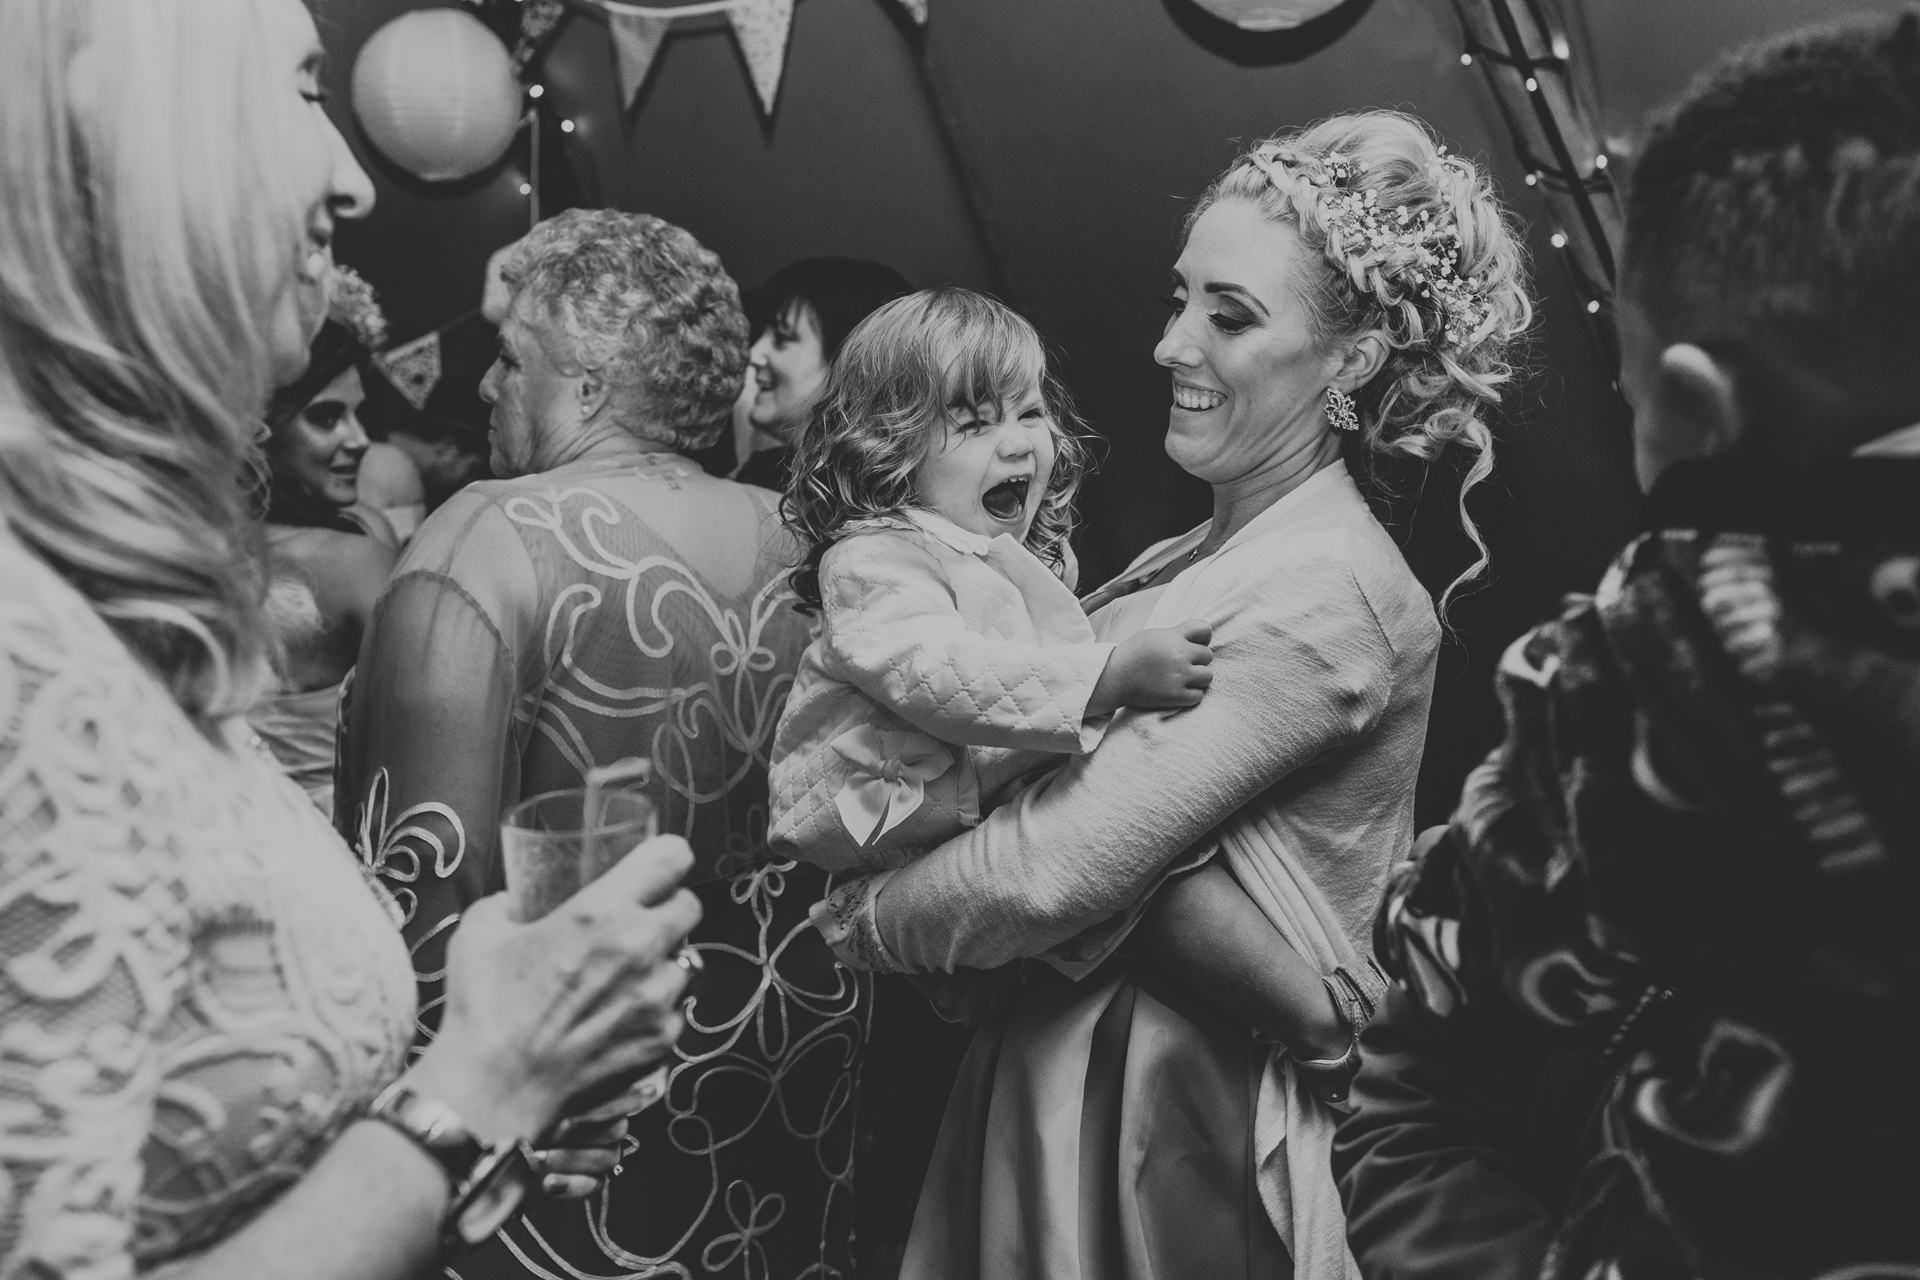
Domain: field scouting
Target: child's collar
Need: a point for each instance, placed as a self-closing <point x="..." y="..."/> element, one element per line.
<point x="965" y="541"/>
<point x="938" y="527"/>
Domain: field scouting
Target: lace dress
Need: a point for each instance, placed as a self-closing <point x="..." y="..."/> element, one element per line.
<point x="626" y="605"/>
<point x="198" y="991"/>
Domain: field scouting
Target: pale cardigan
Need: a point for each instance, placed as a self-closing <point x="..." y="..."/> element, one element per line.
<point x="1307" y="743"/>
<point x="1297" y="769"/>
<point x="948" y="668"/>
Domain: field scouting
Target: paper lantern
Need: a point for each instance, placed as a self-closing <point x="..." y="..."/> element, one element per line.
<point x="435" y="91"/>
<point x="1267" y="15"/>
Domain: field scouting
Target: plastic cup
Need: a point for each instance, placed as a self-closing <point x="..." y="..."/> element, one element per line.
<point x="556" y="844"/>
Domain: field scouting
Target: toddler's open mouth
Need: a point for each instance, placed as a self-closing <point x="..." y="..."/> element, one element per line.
<point x="1007" y="501"/>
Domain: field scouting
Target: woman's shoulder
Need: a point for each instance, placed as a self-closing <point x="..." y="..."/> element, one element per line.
<point x="389" y="477"/>
<point x="77" y="703"/>
<point x="1348" y="571"/>
<point x="43" y="617"/>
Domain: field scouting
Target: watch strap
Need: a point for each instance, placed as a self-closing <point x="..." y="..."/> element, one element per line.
<point x="486" y="1183"/>
<point x="434" y="1127"/>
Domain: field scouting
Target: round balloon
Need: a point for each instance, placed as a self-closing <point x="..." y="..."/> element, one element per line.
<point x="435" y="91"/>
<point x="1267" y="15"/>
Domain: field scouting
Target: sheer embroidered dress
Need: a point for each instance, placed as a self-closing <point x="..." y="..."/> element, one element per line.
<point x="198" y="990"/>
<point x="626" y="605"/>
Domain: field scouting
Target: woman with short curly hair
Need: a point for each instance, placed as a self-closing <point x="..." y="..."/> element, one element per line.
<point x="605" y="599"/>
<point x="1350" y="282"/>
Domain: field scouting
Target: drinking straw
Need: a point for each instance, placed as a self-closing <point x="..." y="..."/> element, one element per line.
<point x="598" y="780"/>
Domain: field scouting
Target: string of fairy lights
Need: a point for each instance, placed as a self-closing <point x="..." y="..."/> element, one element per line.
<point x="1548" y="100"/>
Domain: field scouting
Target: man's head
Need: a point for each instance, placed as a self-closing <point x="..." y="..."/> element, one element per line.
<point x="619" y="321"/>
<point x="1772" y="262"/>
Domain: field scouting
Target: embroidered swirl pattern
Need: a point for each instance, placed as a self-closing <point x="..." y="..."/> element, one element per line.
<point x="744" y="1169"/>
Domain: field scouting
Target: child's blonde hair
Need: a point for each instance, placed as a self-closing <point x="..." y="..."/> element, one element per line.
<point x="905" y="373"/>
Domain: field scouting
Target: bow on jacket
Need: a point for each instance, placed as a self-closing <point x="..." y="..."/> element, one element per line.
<point x="888" y="782"/>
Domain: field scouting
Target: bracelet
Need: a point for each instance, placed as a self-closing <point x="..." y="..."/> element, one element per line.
<point x="1347" y="1062"/>
<point x="486" y="1183"/>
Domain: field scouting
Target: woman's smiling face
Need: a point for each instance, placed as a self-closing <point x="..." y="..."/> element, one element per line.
<point x="329" y="182"/>
<point x="1249" y="373"/>
<point x="789" y="366"/>
<point x="321" y="446"/>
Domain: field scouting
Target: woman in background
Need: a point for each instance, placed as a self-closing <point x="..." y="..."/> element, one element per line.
<point x="204" y="1011"/>
<point x="331" y="557"/>
<point x="801" y="315"/>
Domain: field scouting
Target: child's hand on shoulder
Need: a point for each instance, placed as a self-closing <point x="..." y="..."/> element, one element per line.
<point x="1163" y="669"/>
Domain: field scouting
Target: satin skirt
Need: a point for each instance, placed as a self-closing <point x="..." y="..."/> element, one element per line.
<point x="1101" y="1130"/>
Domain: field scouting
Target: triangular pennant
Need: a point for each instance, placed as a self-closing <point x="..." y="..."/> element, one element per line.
<point x="761" y="28"/>
<point x="636" y="41"/>
<point x="413" y="368"/>
<point x="916" y="9"/>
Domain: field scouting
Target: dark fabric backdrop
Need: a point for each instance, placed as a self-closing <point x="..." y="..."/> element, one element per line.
<point x="1044" y="150"/>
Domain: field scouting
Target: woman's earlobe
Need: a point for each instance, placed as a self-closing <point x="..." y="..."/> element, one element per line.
<point x="592" y="396"/>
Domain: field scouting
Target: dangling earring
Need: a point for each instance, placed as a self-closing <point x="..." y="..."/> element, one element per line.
<point x="1340" y="410"/>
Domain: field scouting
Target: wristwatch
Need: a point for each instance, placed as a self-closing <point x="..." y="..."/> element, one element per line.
<point x="488" y="1182"/>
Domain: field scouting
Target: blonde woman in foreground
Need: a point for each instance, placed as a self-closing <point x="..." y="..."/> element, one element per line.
<point x="204" y="1010"/>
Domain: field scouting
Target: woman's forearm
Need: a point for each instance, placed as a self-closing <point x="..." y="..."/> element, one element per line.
<point x="1293" y="678"/>
<point x="369" y="1210"/>
<point x="1206" y="930"/>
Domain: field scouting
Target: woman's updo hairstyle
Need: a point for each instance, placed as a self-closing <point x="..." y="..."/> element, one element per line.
<point x="1413" y="245"/>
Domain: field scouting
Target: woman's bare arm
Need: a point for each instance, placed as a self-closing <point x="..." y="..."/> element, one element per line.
<point x="1209" y="934"/>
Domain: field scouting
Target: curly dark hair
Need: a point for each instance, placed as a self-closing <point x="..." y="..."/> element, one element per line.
<point x="648" y="307"/>
<point x="1775" y="204"/>
<point x="838" y="292"/>
<point x="903" y="374"/>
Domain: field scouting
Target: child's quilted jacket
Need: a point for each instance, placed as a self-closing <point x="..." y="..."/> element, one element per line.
<point x="948" y="669"/>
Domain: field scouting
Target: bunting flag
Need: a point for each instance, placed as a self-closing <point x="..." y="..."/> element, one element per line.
<point x="636" y="42"/>
<point x="761" y="27"/>
<point x="413" y="368"/>
<point x="639" y="27"/>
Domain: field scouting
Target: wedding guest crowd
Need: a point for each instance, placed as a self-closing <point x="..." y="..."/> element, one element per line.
<point x="1641" y="1010"/>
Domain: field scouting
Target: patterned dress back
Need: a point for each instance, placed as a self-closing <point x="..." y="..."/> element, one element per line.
<point x="626" y="606"/>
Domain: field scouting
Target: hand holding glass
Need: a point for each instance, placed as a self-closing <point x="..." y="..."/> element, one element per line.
<point x="556" y="844"/>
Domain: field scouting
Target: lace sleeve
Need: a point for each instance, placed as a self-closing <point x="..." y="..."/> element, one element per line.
<point x="94" y="944"/>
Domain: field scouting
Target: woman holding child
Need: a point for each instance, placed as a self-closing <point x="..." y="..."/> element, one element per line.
<point x="1241" y="718"/>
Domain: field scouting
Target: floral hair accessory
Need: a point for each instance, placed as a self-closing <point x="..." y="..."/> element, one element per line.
<point x="355" y="308"/>
<point x="1416" y="247"/>
<point x="354" y="329"/>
